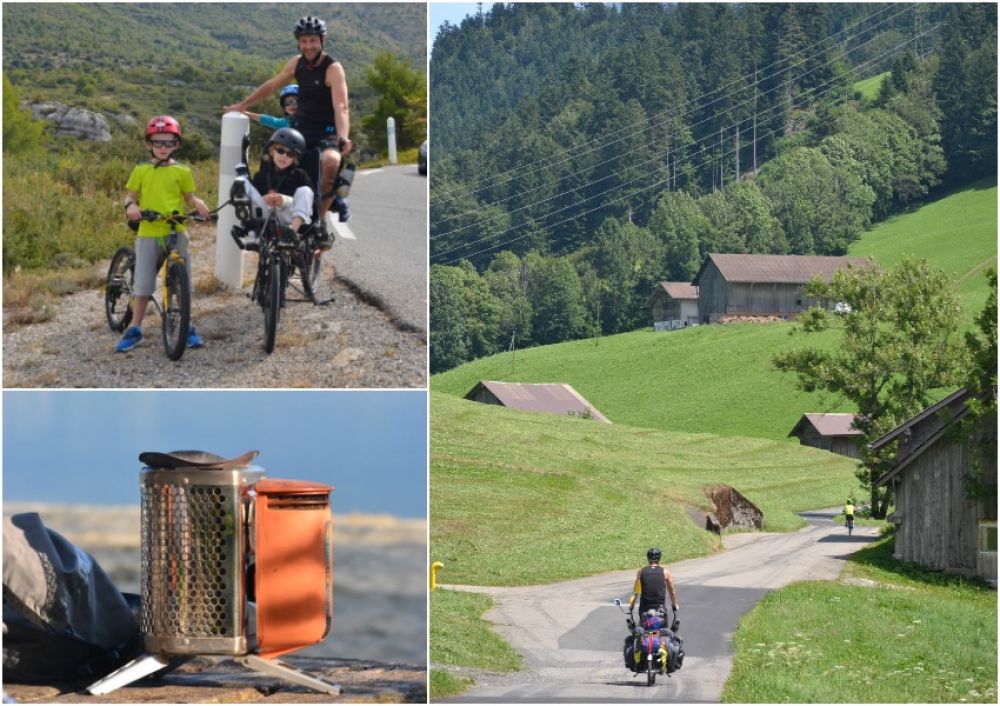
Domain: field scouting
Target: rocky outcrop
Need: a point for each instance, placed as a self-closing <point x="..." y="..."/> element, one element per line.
<point x="73" y="122"/>
<point x="732" y="510"/>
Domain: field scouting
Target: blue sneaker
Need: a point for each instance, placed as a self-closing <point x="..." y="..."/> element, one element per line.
<point x="342" y="209"/>
<point x="131" y="339"/>
<point x="194" y="340"/>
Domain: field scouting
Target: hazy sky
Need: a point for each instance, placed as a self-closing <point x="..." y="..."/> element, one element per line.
<point x="83" y="446"/>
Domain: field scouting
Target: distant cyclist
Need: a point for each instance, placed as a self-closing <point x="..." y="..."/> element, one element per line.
<point x="652" y="584"/>
<point x="849" y="516"/>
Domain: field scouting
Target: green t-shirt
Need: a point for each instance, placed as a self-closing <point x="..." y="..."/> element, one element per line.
<point x="160" y="189"/>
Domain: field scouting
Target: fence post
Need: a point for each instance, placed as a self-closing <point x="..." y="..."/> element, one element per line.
<point x="390" y="127"/>
<point x="228" y="257"/>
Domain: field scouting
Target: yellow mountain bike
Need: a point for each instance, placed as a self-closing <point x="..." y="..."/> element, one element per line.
<point x="174" y="304"/>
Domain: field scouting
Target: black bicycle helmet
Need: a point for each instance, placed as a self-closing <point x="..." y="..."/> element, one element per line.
<point x="289" y="138"/>
<point x="654" y="554"/>
<point x="309" y="25"/>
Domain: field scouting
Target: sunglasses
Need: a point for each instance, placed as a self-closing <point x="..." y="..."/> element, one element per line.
<point x="163" y="143"/>
<point x="292" y="101"/>
<point x="285" y="152"/>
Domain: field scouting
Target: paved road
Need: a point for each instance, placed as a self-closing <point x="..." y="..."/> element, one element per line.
<point x="387" y="263"/>
<point x="571" y="636"/>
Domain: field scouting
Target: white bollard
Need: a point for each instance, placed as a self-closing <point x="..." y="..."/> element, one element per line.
<point x="228" y="257"/>
<point x="390" y="127"/>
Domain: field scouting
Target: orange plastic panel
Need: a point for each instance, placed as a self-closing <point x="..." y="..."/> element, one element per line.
<point x="294" y="555"/>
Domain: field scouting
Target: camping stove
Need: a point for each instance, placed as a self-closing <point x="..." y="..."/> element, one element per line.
<point x="233" y="564"/>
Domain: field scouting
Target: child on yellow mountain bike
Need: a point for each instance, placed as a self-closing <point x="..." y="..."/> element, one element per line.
<point x="163" y="185"/>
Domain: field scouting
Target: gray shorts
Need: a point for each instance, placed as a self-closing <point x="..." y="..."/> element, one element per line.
<point x="147" y="252"/>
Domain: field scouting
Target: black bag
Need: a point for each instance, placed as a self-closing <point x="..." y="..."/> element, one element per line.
<point x="63" y="618"/>
<point x="675" y="650"/>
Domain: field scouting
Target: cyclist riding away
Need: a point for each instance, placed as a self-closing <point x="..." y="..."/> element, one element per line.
<point x="281" y="185"/>
<point x="849" y="516"/>
<point x="164" y="185"/>
<point x="652" y="583"/>
<point x="323" y="115"/>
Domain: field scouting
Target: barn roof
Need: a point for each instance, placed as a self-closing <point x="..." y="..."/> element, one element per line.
<point x="555" y="398"/>
<point x="827" y="424"/>
<point x="680" y="290"/>
<point x="780" y="269"/>
<point x="929" y="425"/>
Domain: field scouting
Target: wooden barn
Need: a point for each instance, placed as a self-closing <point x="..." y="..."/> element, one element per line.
<point x="554" y="398"/>
<point x="936" y="524"/>
<point x="762" y="285"/>
<point x="674" y="305"/>
<point x="832" y="432"/>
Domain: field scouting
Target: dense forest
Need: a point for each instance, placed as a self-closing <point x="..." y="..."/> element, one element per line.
<point x="584" y="153"/>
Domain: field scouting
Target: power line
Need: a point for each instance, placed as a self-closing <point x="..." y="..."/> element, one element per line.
<point x="774" y="108"/>
<point x="452" y="194"/>
<point x="613" y="201"/>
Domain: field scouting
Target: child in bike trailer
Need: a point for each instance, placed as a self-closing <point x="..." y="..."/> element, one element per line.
<point x="289" y="99"/>
<point x="163" y="185"/>
<point x="281" y="186"/>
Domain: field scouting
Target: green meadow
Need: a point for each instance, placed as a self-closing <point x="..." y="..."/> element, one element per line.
<point x="521" y="498"/>
<point x="885" y="633"/>
<point x="870" y="87"/>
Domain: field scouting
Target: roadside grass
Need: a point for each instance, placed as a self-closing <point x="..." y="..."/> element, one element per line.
<point x="407" y="156"/>
<point x="461" y="638"/>
<point x="870" y="87"/>
<point x="31" y="297"/>
<point x="522" y="498"/>
<point x="443" y="684"/>
<point x="720" y="379"/>
<point x="887" y="632"/>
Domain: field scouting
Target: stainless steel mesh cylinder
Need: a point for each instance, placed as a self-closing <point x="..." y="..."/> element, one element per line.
<point x="194" y="544"/>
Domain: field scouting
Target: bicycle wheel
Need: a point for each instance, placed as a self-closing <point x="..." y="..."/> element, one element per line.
<point x="271" y="301"/>
<point x="309" y="268"/>
<point x="176" y="311"/>
<point x="650" y="674"/>
<point x="118" y="290"/>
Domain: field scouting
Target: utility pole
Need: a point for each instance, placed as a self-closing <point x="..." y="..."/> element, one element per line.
<point x="755" y="118"/>
<point x="737" y="153"/>
<point x="722" y="160"/>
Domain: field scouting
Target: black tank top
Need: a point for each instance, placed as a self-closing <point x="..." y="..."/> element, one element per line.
<point x="654" y="588"/>
<point x="315" y="112"/>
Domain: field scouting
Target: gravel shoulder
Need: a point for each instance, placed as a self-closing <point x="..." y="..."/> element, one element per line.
<point x="347" y="343"/>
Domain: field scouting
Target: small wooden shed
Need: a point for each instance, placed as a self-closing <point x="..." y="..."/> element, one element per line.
<point x="554" y="398"/>
<point x="936" y="524"/>
<point x="762" y="285"/>
<point x="674" y="305"/>
<point x="832" y="432"/>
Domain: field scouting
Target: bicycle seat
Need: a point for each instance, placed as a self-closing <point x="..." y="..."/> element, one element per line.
<point x="194" y="459"/>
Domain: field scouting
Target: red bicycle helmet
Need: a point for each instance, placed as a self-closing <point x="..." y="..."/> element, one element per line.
<point x="163" y="124"/>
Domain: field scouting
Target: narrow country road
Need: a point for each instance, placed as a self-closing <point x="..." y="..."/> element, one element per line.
<point x="571" y="635"/>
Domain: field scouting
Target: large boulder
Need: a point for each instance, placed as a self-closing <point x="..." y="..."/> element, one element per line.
<point x="732" y="510"/>
<point x="73" y="122"/>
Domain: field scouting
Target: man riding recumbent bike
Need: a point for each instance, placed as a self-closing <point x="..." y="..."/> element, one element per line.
<point x="278" y="215"/>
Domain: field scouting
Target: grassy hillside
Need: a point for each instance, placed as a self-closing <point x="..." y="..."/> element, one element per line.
<point x="958" y="233"/>
<point x="716" y="379"/>
<point x="719" y="379"/>
<point x="522" y="498"/>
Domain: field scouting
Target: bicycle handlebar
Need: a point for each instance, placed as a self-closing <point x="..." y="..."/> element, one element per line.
<point x="175" y="217"/>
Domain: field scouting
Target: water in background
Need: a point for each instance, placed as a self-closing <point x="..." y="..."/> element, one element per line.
<point x="379" y="565"/>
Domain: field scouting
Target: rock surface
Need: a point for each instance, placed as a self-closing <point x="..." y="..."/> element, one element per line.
<point x="207" y="681"/>
<point x="73" y="122"/>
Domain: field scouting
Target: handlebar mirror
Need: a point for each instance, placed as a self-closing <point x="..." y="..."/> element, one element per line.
<point x="617" y="602"/>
